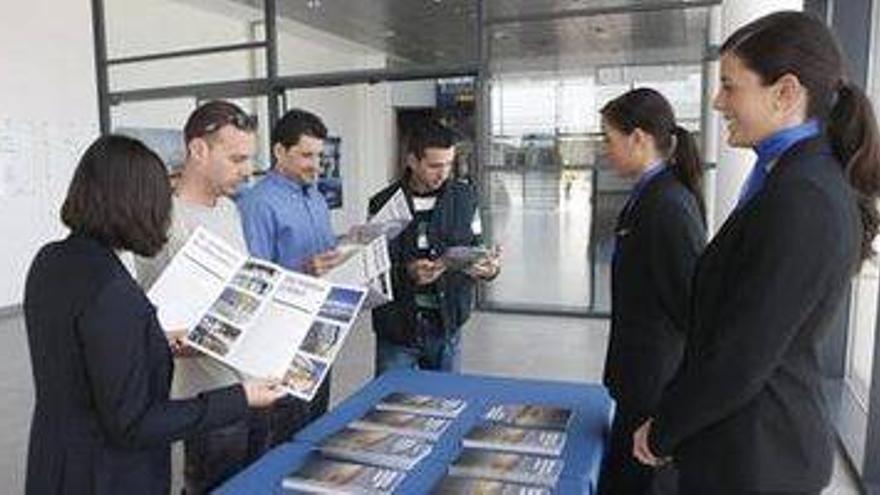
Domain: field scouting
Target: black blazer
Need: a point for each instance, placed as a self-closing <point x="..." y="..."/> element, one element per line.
<point x="745" y="411"/>
<point x="102" y="422"/>
<point x="659" y="237"/>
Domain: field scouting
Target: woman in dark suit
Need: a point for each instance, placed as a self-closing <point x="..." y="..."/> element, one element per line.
<point x="659" y="235"/>
<point x="745" y="413"/>
<point x="103" y="423"/>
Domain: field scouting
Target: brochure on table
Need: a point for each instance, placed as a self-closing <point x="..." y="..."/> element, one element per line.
<point x="255" y="316"/>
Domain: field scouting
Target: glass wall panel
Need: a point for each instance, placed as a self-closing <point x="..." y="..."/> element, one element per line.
<point x="553" y="200"/>
<point x="159" y="26"/>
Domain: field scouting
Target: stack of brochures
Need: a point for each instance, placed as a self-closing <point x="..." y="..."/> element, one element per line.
<point x="454" y="485"/>
<point x="513" y="439"/>
<point x="321" y="475"/>
<point x="428" y="405"/>
<point x="380" y="448"/>
<point x="427" y="427"/>
<point x="516" y="446"/>
<point x="504" y="466"/>
<point x="373" y="453"/>
<point x="530" y="416"/>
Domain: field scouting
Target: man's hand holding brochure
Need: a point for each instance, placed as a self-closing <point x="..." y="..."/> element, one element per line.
<point x="363" y="251"/>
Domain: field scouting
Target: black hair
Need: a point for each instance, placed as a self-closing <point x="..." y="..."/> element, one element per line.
<point x="648" y="110"/>
<point x="430" y="133"/>
<point x="800" y="44"/>
<point x="120" y="195"/>
<point x="295" y="124"/>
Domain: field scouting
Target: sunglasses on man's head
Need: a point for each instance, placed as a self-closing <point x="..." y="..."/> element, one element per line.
<point x="241" y="121"/>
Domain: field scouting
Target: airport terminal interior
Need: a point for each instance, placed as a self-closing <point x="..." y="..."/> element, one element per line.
<point x="522" y="81"/>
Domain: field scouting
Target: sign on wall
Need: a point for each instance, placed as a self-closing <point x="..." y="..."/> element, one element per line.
<point x="330" y="180"/>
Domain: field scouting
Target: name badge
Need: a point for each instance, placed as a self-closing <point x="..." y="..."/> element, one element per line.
<point x="422" y="241"/>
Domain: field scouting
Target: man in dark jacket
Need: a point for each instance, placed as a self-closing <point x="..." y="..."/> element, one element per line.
<point x="432" y="300"/>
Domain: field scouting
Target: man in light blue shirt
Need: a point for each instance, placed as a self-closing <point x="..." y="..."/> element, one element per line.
<point x="286" y="220"/>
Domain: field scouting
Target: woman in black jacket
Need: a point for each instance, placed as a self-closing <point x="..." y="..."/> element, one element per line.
<point x="659" y="235"/>
<point x="745" y="413"/>
<point x="103" y="422"/>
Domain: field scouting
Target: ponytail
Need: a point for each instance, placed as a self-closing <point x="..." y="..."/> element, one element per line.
<point x="852" y="129"/>
<point x="687" y="166"/>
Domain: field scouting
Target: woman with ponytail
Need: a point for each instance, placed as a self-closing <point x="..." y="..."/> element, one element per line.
<point x="745" y="413"/>
<point x="660" y="233"/>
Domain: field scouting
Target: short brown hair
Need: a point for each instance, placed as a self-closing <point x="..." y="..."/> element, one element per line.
<point x="213" y="116"/>
<point x="120" y="196"/>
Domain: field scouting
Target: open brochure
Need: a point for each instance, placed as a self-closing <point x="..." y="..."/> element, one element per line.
<point x="366" y="264"/>
<point x="364" y="250"/>
<point x="255" y="316"/>
<point x="393" y="217"/>
<point x="462" y="258"/>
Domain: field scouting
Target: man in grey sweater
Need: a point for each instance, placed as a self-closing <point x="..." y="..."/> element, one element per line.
<point x="220" y="144"/>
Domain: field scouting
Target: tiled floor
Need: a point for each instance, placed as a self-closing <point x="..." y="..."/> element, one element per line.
<point x="498" y="344"/>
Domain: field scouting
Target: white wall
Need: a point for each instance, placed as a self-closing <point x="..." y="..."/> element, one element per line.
<point x="734" y="164"/>
<point x="417" y="94"/>
<point x="46" y="124"/>
<point x="48" y="114"/>
<point x="356" y="113"/>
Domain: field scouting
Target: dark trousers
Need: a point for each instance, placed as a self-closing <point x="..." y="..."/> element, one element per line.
<point x="690" y="489"/>
<point x="214" y="456"/>
<point x="623" y="474"/>
<point x="290" y="415"/>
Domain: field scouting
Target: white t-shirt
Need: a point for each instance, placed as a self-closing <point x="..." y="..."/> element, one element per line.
<point x="196" y="374"/>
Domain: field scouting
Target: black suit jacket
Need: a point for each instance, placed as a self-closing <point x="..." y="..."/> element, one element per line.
<point x="102" y="422"/>
<point x="745" y="411"/>
<point x="659" y="238"/>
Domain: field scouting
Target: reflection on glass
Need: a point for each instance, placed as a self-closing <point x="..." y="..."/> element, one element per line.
<point x="552" y="199"/>
<point x="862" y="321"/>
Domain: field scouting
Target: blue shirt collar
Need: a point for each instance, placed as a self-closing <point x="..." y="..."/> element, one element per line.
<point x="288" y="183"/>
<point x="774" y="145"/>
<point x="653" y="170"/>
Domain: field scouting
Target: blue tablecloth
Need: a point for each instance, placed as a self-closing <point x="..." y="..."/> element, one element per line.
<point x="583" y="450"/>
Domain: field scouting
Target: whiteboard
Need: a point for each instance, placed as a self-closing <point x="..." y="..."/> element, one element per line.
<point x="37" y="160"/>
<point x="48" y="116"/>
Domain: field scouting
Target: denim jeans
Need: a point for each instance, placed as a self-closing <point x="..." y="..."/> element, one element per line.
<point x="431" y="351"/>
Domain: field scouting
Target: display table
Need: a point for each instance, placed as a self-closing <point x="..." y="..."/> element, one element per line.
<point x="583" y="452"/>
